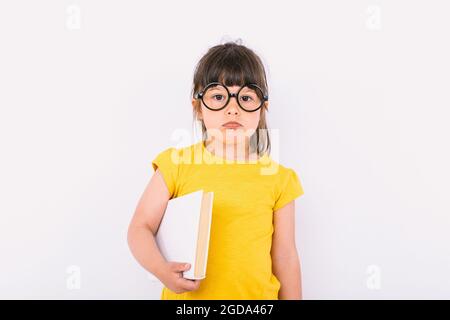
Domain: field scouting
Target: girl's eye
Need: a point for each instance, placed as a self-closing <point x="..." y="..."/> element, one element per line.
<point x="218" y="97"/>
<point x="246" y="98"/>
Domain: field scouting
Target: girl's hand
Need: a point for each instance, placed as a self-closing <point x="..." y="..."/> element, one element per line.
<point x="173" y="278"/>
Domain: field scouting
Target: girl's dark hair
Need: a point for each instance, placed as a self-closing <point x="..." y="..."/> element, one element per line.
<point x="234" y="64"/>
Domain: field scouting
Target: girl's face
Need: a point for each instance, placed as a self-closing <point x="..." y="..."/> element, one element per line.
<point x="215" y="121"/>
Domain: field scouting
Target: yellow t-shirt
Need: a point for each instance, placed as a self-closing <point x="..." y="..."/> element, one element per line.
<point x="245" y="197"/>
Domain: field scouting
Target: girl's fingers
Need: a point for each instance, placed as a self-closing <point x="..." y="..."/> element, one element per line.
<point x="179" y="266"/>
<point x="189" y="285"/>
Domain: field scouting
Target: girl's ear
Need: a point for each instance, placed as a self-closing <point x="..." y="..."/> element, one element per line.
<point x="195" y="105"/>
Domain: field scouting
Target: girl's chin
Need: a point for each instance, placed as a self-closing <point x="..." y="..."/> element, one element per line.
<point x="231" y="136"/>
<point x="235" y="132"/>
<point x="231" y="129"/>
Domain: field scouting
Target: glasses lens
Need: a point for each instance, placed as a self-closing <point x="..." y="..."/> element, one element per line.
<point x="215" y="97"/>
<point x="250" y="98"/>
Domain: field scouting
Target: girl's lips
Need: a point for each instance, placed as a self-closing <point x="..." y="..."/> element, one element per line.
<point x="232" y="125"/>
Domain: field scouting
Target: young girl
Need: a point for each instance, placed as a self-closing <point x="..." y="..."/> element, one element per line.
<point x="252" y="251"/>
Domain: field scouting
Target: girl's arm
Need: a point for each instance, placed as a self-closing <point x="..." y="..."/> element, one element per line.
<point x="285" y="260"/>
<point x="141" y="237"/>
<point x="144" y="224"/>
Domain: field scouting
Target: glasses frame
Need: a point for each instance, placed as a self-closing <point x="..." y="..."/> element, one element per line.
<point x="200" y="95"/>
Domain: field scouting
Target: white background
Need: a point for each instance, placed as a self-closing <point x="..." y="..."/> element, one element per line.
<point x="91" y="91"/>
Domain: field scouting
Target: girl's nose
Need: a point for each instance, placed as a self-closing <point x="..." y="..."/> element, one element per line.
<point x="232" y="107"/>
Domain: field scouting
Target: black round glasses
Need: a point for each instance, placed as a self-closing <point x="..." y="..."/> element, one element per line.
<point x="215" y="96"/>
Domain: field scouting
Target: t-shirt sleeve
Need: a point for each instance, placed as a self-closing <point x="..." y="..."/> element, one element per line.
<point x="167" y="163"/>
<point x="291" y="188"/>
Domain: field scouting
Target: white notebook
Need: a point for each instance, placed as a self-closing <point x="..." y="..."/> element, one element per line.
<point x="184" y="231"/>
